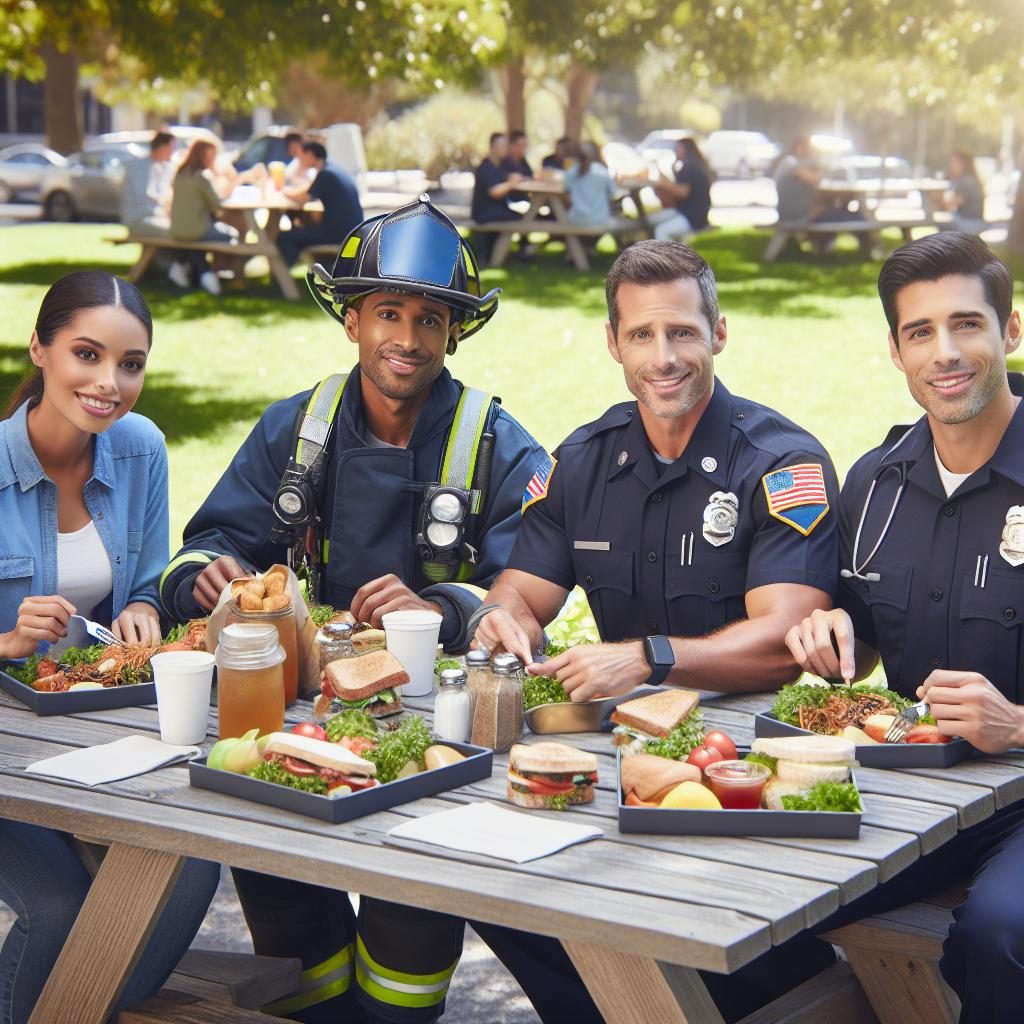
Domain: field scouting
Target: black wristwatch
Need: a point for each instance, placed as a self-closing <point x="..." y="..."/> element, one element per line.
<point x="660" y="656"/>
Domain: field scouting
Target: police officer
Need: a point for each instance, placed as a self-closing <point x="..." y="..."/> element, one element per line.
<point x="932" y="548"/>
<point x="362" y="504"/>
<point x="694" y="518"/>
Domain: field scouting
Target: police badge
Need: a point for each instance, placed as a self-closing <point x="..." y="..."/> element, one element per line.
<point x="1011" y="546"/>
<point x="720" y="518"/>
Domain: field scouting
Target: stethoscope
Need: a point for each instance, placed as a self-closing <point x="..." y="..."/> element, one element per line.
<point x="857" y="571"/>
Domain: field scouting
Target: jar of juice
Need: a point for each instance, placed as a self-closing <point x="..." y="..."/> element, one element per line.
<point x="737" y="784"/>
<point x="250" y="680"/>
<point x="283" y="620"/>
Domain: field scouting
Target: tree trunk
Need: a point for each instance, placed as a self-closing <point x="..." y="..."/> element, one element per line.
<point x="580" y="86"/>
<point x="1015" y="234"/>
<point x="515" y="95"/>
<point x="61" y="103"/>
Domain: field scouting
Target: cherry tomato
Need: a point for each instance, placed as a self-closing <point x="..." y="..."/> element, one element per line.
<point x="704" y="755"/>
<point x="310" y="729"/>
<point x="723" y="743"/>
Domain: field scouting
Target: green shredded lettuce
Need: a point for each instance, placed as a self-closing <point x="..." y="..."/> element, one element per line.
<point x="82" y="655"/>
<point x="394" y="750"/>
<point x="274" y="771"/>
<point x="790" y="699"/>
<point x="678" y="744"/>
<point x="320" y="614"/>
<point x="351" y="723"/>
<point x="825" y="796"/>
<point x="558" y="802"/>
<point x="768" y="762"/>
<point x="542" y="690"/>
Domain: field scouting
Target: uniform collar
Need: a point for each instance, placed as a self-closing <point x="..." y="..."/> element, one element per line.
<point x="917" y="442"/>
<point x="708" y="446"/>
<point x="26" y="465"/>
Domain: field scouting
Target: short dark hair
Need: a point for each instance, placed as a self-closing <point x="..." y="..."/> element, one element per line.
<point x="494" y="138"/>
<point x="292" y="137"/>
<point x="941" y="255"/>
<point x="316" y="149"/>
<point x="160" y="138"/>
<point x="515" y="136"/>
<point x="661" y="262"/>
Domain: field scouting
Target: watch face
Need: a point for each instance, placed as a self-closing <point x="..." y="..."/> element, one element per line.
<point x="659" y="651"/>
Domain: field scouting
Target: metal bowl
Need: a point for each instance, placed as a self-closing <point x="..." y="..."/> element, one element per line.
<point x="586" y="716"/>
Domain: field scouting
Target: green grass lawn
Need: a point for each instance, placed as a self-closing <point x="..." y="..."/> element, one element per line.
<point x="806" y="336"/>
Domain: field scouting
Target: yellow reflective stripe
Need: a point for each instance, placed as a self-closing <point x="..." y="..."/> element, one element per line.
<point x="321" y="982"/>
<point x="418" y="982"/>
<point x="351" y="247"/>
<point x="410" y="1000"/>
<point x="199" y="557"/>
<point x="457" y="437"/>
<point x="326" y="549"/>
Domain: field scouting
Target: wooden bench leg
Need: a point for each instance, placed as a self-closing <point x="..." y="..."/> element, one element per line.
<point x="775" y="245"/>
<point x="577" y="252"/>
<point x="499" y="253"/>
<point x="112" y="928"/>
<point x="142" y="265"/>
<point x="630" y="989"/>
<point x="282" y="275"/>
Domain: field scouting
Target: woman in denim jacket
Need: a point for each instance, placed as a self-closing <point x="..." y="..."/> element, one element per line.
<point x="83" y="502"/>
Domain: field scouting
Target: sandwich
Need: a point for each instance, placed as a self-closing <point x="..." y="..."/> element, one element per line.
<point x="550" y="775"/>
<point x="809" y="773"/>
<point x="646" y="779"/>
<point x="366" y="683"/>
<point x="667" y="724"/>
<point x="366" y="638"/>
<point x="313" y="765"/>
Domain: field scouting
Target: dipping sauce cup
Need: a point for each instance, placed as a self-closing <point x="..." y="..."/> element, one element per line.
<point x="737" y="784"/>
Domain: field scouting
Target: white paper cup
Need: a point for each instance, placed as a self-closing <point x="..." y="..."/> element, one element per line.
<point x="412" y="639"/>
<point x="183" y="681"/>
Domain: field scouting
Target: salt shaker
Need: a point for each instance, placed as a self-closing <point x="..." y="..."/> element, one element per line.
<point x="453" y="707"/>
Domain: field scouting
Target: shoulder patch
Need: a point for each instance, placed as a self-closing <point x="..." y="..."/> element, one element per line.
<point x="537" y="489"/>
<point x="796" y="495"/>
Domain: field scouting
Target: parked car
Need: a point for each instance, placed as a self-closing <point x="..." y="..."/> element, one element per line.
<point x="263" y="147"/>
<point x="184" y="136"/>
<point x="740" y="154"/>
<point x="23" y="168"/>
<point x="89" y="184"/>
<point x="659" y="148"/>
<point x="343" y="142"/>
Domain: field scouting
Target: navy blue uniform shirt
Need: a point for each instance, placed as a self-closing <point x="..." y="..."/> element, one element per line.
<point x="950" y="592"/>
<point x="337" y="190"/>
<point x="484" y="208"/>
<point x="631" y="531"/>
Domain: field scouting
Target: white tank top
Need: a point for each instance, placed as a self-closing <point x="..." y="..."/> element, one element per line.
<point x="84" y="576"/>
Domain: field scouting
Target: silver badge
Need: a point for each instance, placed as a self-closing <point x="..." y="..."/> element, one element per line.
<point x="622" y="458"/>
<point x="720" y="518"/>
<point x="708" y="464"/>
<point x="1011" y="546"/>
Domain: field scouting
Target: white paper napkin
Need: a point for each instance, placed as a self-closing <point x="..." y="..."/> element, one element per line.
<point x="133" y="755"/>
<point x="496" y="831"/>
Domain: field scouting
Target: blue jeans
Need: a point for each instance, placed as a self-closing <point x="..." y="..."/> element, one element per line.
<point x="45" y="883"/>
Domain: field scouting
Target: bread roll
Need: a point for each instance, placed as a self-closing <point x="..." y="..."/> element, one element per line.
<point x="276" y="602"/>
<point x="276" y="583"/>
<point x="249" y="601"/>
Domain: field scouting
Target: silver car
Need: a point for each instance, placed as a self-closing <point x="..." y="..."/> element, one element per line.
<point x="23" y="168"/>
<point x="89" y="185"/>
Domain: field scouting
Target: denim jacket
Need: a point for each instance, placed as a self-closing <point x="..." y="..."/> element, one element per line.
<point x="126" y="497"/>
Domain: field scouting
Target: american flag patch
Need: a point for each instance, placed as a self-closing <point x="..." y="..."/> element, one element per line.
<point x="796" y="495"/>
<point x="537" y="488"/>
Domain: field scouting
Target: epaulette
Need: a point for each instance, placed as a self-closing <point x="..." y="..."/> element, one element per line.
<point x="616" y="417"/>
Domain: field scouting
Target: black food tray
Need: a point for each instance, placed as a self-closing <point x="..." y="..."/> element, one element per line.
<point x="880" y="755"/>
<point x="83" y="700"/>
<point x="666" y="821"/>
<point x="335" y="810"/>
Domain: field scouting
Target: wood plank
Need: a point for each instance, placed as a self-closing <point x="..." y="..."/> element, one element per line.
<point x="630" y="989"/>
<point x="1005" y="780"/>
<point x="250" y="981"/>
<point x="118" y="916"/>
<point x="171" y="1007"/>
<point x="934" y="824"/>
<point x="972" y="803"/>
<point x="833" y="996"/>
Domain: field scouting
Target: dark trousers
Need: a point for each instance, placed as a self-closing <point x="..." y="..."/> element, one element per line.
<point x="291" y="243"/>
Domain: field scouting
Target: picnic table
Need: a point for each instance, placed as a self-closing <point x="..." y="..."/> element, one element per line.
<point x="255" y="213"/>
<point x="637" y="913"/>
<point x="554" y="196"/>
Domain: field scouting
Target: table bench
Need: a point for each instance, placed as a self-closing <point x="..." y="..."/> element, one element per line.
<point x="783" y="231"/>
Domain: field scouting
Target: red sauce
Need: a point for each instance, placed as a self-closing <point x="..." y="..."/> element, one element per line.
<point x="737" y="784"/>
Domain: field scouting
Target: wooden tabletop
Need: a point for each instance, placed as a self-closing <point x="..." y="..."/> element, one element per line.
<point x="251" y="197"/>
<point x="698" y="901"/>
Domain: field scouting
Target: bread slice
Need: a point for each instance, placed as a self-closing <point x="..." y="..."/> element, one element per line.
<point x="658" y="713"/>
<point x="362" y="677"/>
<point x="368" y="639"/>
<point x="319" y="752"/>
<point x="647" y="775"/>
<point x="539" y="802"/>
<point x="554" y="758"/>
<point x="812" y="749"/>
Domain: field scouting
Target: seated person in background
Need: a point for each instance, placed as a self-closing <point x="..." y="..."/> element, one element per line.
<point x="797" y="177"/>
<point x="591" y="188"/>
<point x="559" y="159"/>
<point x="931" y="544"/>
<point x="966" y="196"/>
<point x="81" y="476"/>
<point x="296" y="174"/>
<point x="687" y="200"/>
<point x="336" y="189"/>
<point x="492" y="185"/>
<point x="516" y="163"/>
<point x="194" y="205"/>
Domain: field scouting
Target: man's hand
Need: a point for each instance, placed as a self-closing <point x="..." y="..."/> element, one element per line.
<point x="39" y="619"/>
<point x="966" y="704"/>
<point x="214" y="578"/>
<point x="810" y="643"/>
<point x="597" y="670"/>
<point x="138" y="623"/>
<point x="498" y="630"/>
<point x="387" y="594"/>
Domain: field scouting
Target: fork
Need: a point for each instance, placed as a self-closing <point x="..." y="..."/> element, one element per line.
<point x="81" y="631"/>
<point x="905" y="721"/>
